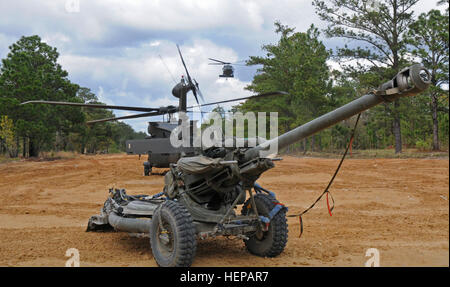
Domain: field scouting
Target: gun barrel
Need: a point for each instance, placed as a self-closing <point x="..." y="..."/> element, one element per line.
<point x="407" y="82"/>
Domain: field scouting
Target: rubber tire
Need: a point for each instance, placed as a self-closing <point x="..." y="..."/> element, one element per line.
<point x="275" y="238"/>
<point x="184" y="237"/>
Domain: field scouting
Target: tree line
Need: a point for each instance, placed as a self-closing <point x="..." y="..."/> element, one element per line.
<point x="31" y="72"/>
<point x="382" y="38"/>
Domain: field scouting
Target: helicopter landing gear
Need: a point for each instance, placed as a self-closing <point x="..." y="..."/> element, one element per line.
<point x="147" y="168"/>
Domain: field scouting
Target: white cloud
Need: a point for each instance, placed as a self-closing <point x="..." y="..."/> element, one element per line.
<point x="155" y="44"/>
<point x="144" y="67"/>
<point x="101" y="22"/>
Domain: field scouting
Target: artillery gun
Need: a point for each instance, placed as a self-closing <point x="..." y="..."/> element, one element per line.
<point x="201" y="192"/>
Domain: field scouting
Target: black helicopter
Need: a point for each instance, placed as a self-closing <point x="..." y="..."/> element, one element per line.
<point x="157" y="145"/>
<point x="227" y="69"/>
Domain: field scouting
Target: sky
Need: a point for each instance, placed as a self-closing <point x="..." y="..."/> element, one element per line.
<point x="115" y="47"/>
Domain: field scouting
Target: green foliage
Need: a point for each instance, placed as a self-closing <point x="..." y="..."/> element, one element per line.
<point x="31" y="72"/>
<point x="297" y="65"/>
<point x="429" y="38"/>
<point x="104" y="136"/>
<point x="380" y="29"/>
<point x="423" y="145"/>
<point x="7" y="135"/>
<point x="380" y="26"/>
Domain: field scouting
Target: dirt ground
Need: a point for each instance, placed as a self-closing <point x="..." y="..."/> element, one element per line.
<point x="399" y="206"/>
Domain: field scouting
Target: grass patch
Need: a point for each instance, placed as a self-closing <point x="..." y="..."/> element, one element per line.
<point x="6" y="159"/>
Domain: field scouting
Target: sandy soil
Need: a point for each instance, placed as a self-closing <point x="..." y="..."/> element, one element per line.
<point x="399" y="206"/>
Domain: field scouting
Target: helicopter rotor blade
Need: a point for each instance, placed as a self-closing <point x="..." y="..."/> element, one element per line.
<point x="244" y="98"/>
<point x="225" y="63"/>
<point x="184" y="64"/>
<point x="199" y="92"/>
<point x="195" y="95"/>
<point x="188" y="76"/>
<point x="97" y="106"/>
<point x="125" y="117"/>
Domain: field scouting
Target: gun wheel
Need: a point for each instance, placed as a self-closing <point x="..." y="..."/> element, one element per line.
<point x="172" y="235"/>
<point x="272" y="242"/>
<point x="147" y="170"/>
